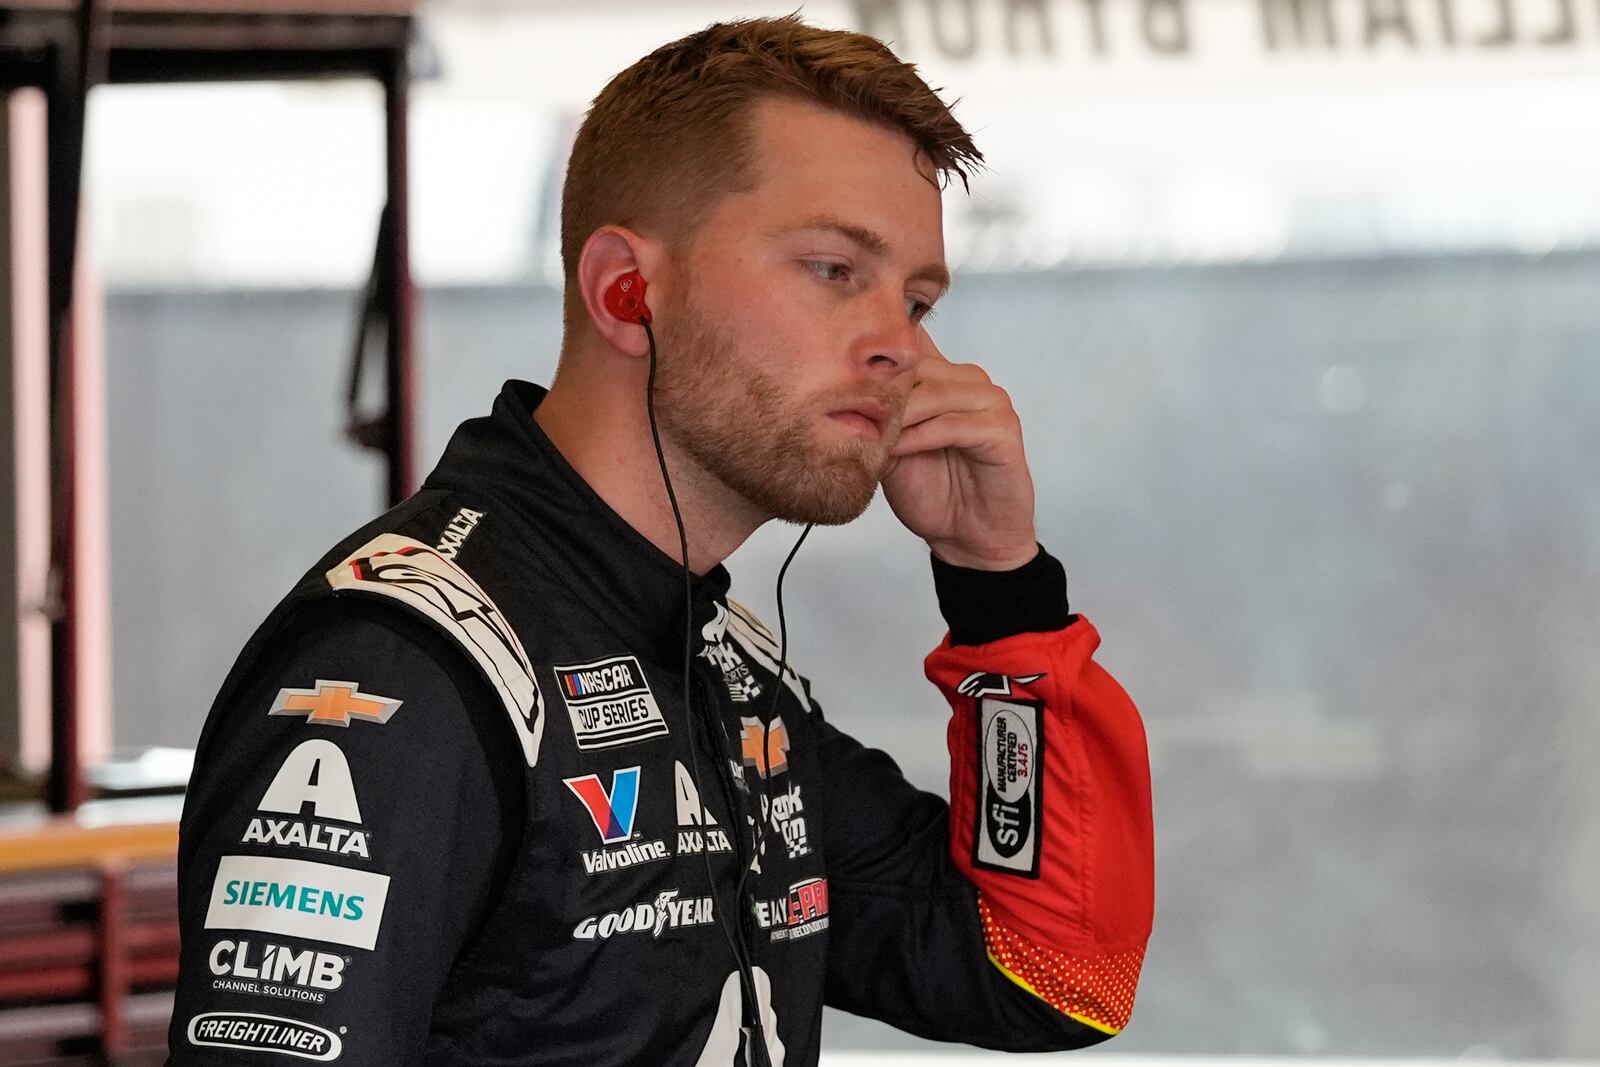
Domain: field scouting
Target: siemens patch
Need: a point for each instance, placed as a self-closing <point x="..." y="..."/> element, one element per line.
<point x="297" y="898"/>
<point x="1010" y="746"/>
<point x="610" y="703"/>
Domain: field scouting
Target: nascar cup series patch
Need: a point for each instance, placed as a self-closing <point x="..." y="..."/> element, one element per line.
<point x="1010" y="805"/>
<point x="610" y="703"/>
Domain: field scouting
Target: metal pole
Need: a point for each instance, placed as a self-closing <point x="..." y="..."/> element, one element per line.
<point x="68" y="95"/>
<point x="400" y="299"/>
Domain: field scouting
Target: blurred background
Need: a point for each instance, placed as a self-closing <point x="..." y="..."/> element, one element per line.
<point x="1299" y="301"/>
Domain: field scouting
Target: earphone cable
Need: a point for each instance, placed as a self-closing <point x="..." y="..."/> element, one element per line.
<point x="772" y="707"/>
<point x="757" y="1037"/>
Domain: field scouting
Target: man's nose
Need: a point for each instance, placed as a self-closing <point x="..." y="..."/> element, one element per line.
<point x="895" y="344"/>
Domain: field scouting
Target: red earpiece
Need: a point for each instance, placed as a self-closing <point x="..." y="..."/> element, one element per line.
<point x="625" y="298"/>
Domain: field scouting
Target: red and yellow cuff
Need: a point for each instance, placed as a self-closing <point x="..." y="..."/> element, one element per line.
<point x="1097" y="991"/>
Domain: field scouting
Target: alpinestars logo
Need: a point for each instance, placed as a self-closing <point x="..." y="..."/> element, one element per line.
<point x="668" y="912"/>
<point x="613" y="815"/>
<point x="981" y="684"/>
<point x="404" y="569"/>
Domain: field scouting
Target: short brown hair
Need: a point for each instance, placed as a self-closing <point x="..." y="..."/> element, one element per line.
<point x="666" y="138"/>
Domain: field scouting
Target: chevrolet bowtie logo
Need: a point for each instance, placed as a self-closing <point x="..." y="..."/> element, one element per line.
<point x="334" y="704"/>
<point x="758" y="744"/>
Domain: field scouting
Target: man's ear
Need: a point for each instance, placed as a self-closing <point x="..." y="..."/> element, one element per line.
<point x="608" y="254"/>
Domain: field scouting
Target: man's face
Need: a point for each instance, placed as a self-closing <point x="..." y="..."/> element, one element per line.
<point x="792" y="327"/>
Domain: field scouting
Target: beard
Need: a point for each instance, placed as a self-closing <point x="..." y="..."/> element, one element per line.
<point x="735" y="420"/>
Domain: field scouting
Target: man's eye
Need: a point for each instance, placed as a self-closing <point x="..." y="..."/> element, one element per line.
<point x="917" y="310"/>
<point x="828" y="271"/>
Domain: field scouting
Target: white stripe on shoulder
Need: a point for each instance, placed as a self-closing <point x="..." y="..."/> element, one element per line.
<point x="406" y="570"/>
<point x="758" y="643"/>
<point x="755" y="624"/>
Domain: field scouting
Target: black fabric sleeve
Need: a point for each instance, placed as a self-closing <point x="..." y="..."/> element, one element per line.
<point x="906" y="944"/>
<point x="355" y="805"/>
<point x="984" y="606"/>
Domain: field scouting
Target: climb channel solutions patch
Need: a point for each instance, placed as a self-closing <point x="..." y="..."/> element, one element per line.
<point x="1010" y="805"/>
<point x="610" y="703"/>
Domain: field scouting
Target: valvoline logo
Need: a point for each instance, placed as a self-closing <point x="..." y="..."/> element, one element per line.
<point x="613" y="810"/>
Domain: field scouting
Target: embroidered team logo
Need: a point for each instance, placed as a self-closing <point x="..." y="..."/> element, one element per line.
<point x="719" y="650"/>
<point x="334" y="704"/>
<point x="612" y="811"/>
<point x="760" y="745"/>
<point x="982" y="684"/>
<point x="610" y="703"/>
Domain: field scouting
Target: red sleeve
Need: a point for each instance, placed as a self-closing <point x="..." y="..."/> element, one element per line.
<point x="1050" y="816"/>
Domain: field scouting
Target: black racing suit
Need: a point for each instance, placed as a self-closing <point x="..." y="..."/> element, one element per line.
<point x="449" y="807"/>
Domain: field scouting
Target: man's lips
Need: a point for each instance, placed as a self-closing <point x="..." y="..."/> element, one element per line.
<point x="866" y="415"/>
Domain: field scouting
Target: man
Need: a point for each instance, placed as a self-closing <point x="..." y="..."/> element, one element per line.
<point x="459" y="802"/>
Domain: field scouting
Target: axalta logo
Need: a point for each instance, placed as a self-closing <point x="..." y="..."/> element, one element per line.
<point x="341" y="840"/>
<point x="455" y="535"/>
<point x="314" y="774"/>
<point x="803" y="912"/>
<point x="1010" y="746"/>
<point x="667" y="912"/>
<point x="334" y="704"/>
<point x="610" y="703"/>
<point x="298" y="899"/>
<point x="697" y="828"/>
<point x="271" y="970"/>
<point x="264" y="1033"/>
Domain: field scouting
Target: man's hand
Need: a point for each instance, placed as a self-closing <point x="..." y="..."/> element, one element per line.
<point x="958" y="478"/>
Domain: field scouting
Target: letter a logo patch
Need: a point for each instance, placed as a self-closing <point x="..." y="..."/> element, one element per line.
<point x="612" y="812"/>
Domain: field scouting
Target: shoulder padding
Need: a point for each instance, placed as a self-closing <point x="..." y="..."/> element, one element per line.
<point x="404" y="570"/>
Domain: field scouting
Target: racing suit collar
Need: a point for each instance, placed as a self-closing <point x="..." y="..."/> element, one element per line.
<point x="507" y="458"/>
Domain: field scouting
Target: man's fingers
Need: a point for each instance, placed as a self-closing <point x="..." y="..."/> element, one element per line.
<point x="958" y="387"/>
<point x="982" y="435"/>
